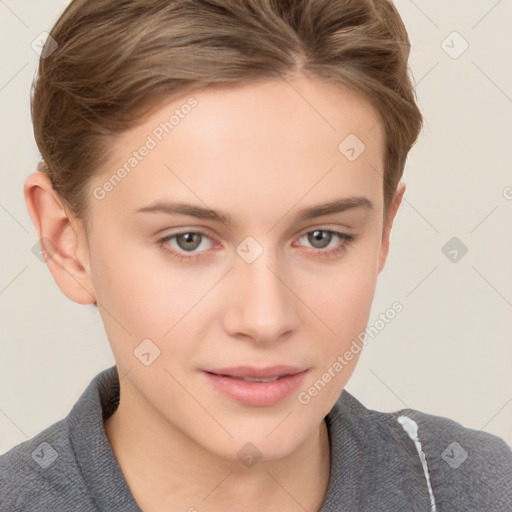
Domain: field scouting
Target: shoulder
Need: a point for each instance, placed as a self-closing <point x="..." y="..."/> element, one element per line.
<point x="468" y="469"/>
<point x="30" y="478"/>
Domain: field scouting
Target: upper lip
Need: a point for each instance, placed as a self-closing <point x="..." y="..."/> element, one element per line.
<point x="258" y="373"/>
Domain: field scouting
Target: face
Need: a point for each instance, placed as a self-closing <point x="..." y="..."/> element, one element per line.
<point x="271" y="279"/>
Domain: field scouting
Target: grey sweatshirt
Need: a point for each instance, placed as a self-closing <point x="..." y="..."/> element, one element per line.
<point x="380" y="462"/>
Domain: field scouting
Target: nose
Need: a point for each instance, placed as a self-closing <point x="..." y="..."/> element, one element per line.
<point x="261" y="305"/>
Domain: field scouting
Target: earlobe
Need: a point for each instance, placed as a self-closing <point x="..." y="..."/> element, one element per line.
<point x="393" y="209"/>
<point x="60" y="240"/>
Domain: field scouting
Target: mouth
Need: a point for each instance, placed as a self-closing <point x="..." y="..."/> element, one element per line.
<point x="251" y="372"/>
<point x="256" y="386"/>
<point x="253" y="379"/>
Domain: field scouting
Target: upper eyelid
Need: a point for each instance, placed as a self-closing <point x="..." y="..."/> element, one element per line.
<point x="320" y="227"/>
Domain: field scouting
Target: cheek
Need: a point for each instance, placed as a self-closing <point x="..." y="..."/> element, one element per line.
<point x="139" y="288"/>
<point x="345" y="309"/>
<point x="346" y="314"/>
<point x="137" y="299"/>
<point x="342" y="297"/>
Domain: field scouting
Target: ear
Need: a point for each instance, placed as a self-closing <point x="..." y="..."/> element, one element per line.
<point x="62" y="238"/>
<point x="393" y="208"/>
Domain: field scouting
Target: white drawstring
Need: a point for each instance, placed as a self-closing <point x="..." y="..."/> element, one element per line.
<point x="411" y="427"/>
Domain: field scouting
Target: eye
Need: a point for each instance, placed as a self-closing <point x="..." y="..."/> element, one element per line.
<point x="322" y="238"/>
<point x="187" y="242"/>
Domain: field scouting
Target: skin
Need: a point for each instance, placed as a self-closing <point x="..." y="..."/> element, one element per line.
<point x="260" y="152"/>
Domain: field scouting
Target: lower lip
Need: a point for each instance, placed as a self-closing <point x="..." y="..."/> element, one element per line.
<point x="259" y="394"/>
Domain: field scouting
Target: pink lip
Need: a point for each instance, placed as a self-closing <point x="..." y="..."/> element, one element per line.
<point x="259" y="394"/>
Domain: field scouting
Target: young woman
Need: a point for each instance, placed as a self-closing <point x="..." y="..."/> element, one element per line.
<point x="220" y="179"/>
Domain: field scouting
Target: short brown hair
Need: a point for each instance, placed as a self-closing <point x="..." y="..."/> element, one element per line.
<point x="116" y="60"/>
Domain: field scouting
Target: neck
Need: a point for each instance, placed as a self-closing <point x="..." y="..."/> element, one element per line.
<point x="166" y="469"/>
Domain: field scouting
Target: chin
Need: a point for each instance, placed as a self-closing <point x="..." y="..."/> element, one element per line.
<point x="258" y="446"/>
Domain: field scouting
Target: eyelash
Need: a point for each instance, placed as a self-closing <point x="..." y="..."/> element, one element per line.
<point x="331" y="253"/>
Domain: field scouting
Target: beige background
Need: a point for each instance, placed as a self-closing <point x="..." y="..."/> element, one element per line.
<point x="449" y="351"/>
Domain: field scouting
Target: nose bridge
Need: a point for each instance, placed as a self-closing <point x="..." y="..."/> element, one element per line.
<point x="262" y="305"/>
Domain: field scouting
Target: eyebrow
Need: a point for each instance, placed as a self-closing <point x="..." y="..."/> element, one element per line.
<point x="337" y="206"/>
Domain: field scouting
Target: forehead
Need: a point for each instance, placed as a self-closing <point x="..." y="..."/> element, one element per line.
<point x="277" y="113"/>
<point x="271" y="139"/>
